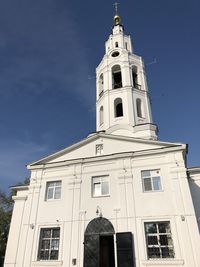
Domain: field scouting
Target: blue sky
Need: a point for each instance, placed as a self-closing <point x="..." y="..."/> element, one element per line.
<point x="49" y="50"/>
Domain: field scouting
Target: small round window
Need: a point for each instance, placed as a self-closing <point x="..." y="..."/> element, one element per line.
<point x="115" y="54"/>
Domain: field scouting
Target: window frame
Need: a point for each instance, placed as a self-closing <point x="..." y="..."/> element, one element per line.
<point x="99" y="149"/>
<point x="135" y="77"/>
<point x="117" y="74"/>
<point x="152" y="183"/>
<point x="50" y="239"/>
<point x="101" y="116"/>
<point x="101" y="177"/>
<point x="54" y="187"/>
<point x="101" y="85"/>
<point x="139" y="108"/>
<point x="118" y="108"/>
<point x="157" y="235"/>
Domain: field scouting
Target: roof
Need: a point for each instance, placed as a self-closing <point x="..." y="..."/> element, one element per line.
<point x="118" y="145"/>
<point x="194" y="170"/>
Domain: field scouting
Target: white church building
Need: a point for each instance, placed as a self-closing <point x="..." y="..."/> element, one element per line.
<point x="118" y="198"/>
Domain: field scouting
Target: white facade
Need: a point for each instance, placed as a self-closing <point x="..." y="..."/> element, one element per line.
<point x="194" y="183"/>
<point x="120" y="176"/>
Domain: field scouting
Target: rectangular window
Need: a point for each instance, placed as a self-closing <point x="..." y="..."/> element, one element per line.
<point x="159" y="240"/>
<point x="53" y="190"/>
<point x="49" y="244"/>
<point x="100" y="186"/>
<point x="99" y="149"/>
<point x="151" y="180"/>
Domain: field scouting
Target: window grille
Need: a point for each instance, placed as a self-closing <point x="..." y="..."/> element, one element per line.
<point x="159" y="240"/>
<point x="49" y="244"/>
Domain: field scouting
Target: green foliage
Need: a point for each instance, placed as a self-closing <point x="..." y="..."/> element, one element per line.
<point x="6" y="206"/>
<point x="25" y="182"/>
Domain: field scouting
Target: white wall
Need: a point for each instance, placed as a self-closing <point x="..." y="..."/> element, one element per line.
<point x="127" y="207"/>
<point x="194" y="183"/>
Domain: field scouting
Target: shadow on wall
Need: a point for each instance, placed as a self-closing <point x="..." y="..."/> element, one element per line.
<point x="195" y="192"/>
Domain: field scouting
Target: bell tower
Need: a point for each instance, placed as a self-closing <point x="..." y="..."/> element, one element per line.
<point x="122" y="98"/>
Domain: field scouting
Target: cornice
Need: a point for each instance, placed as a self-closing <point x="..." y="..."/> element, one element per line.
<point x="95" y="136"/>
<point x="18" y="198"/>
<point x="115" y="156"/>
<point x="194" y="170"/>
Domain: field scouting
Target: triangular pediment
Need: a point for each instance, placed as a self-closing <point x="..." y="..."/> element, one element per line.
<point x="112" y="144"/>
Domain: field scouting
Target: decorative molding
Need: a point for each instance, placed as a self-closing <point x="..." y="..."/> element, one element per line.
<point x="158" y="262"/>
<point x="125" y="175"/>
<point x="47" y="263"/>
<point x="75" y="181"/>
<point x="19" y="198"/>
<point x="134" y="154"/>
<point x="43" y="163"/>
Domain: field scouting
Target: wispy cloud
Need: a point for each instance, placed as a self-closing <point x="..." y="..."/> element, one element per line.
<point x="14" y="157"/>
<point x="42" y="62"/>
<point x="40" y="50"/>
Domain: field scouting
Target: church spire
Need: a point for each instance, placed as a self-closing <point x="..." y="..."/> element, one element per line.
<point x="117" y="18"/>
<point x="117" y="25"/>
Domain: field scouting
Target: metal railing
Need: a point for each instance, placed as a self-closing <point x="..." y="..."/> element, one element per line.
<point x="117" y="85"/>
<point x="137" y="86"/>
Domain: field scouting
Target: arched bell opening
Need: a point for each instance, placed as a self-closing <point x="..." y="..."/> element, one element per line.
<point x="101" y="85"/>
<point x="118" y="107"/>
<point x="116" y="77"/>
<point x="99" y="244"/>
<point x="135" y="78"/>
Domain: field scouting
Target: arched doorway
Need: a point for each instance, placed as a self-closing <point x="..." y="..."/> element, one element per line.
<point x="99" y="244"/>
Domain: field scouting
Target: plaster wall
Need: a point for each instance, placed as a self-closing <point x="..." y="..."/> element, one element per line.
<point x="110" y="146"/>
<point x="194" y="183"/>
<point x="127" y="207"/>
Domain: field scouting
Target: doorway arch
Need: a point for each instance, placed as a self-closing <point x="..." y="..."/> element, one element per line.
<point x="99" y="243"/>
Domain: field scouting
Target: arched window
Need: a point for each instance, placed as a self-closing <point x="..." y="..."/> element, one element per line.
<point x="101" y="115"/>
<point x="116" y="77"/>
<point x="135" y="77"/>
<point x="139" y="107"/>
<point x="101" y="85"/>
<point x="116" y="44"/>
<point x="118" y="106"/>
